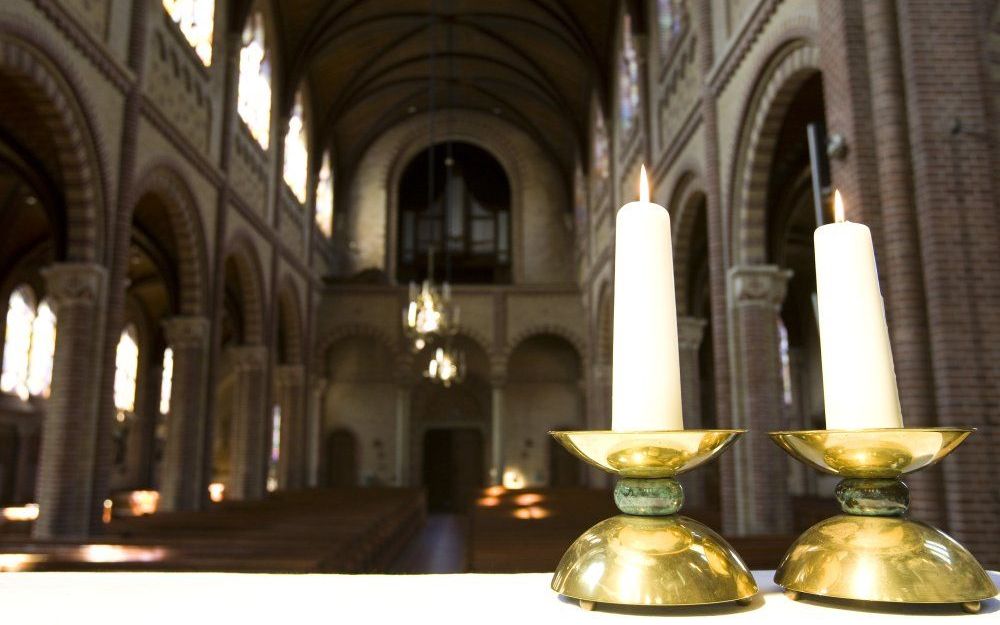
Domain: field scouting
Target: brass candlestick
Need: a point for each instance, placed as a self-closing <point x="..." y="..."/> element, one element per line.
<point x="874" y="552"/>
<point x="650" y="555"/>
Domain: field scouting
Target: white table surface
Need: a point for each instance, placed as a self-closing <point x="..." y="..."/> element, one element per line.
<point x="190" y="598"/>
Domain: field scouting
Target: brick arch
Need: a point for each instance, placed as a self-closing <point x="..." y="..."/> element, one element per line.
<point x="779" y="80"/>
<point x="65" y="117"/>
<point x="686" y="204"/>
<point x="535" y="183"/>
<point x="348" y="331"/>
<point x="545" y="329"/>
<point x="289" y="313"/>
<point x="173" y="190"/>
<point x="248" y="266"/>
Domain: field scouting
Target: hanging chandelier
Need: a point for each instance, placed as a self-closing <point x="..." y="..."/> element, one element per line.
<point x="447" y="366"/>
<point x="429" y="313"/>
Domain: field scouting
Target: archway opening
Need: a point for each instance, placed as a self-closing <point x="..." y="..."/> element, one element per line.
<point x="455" y="198"/>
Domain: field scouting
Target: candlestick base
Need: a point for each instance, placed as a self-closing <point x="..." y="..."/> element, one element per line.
<point x="873" y="552"/>
<point x="651" y="556"/>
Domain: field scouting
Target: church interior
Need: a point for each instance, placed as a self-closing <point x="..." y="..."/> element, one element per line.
<point x="304" y="285"/>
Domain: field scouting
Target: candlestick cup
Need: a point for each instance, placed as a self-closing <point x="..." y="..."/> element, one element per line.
<point x="650" y="555"/>
<point x="874" y="552"/>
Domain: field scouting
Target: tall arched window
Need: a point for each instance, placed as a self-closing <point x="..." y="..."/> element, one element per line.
<point x="254" y="104"/>
<point x="275" y="455"/>
<point x="455" y="200"/>
<point x="126" y="371"/>
<point x="628" y="79"/>
<point x="166" y="380"/>
<point x="17" y="342"/>
<point x="324" y="197"/>
<point x="43" y="350"/>
<point x="669" y="19"/>
<point x="602" y="157"/>
<point x="296" y="165"/>
<point x="196" y="19"/>
<point x="580" y="200"/>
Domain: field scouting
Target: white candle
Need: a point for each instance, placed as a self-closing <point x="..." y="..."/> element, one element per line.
<point x="646" y="380"/>
<point x="859" y="382"/>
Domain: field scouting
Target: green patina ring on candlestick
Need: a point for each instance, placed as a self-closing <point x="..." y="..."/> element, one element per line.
<point x="873" y="497"/>
<point x="648" y="496"/>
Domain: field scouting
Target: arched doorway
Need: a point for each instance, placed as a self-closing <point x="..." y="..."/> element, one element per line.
<point x="455" y="198"/>
<point x="543" y="394"/>
<point x="342" y="459"/>
<point x="453" y="467"/>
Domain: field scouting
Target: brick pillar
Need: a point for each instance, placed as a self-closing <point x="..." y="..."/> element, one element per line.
<point x="250" y="423"/>
<point x="690" y="331"/>
<point x="497" y="386"/>
<point x="68" y="458"/>
<point x="314" y="437"/>
<point x="760" y="488"/>
<point x="289" y="392"/>
<point x="183" y="483"/>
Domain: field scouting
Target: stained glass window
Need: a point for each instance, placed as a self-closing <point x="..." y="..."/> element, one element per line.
<point x="669" y="20"/>
<point x="166" y="380"/>
<point x="43" y="350"/>
<point x="196" y="19"/>
<point x="324" y="197"/>
<point x="272" y="461"/>
<point x="786" y="363"/>
<point x="126" y="370"/>
<point x="254" y="104"/>
<point x="296" y="166"/>
<point x="17" y="342"/>
<point x="602" y="157"/>
<point x="580" y="200"/>
<point x="628" y="79"/>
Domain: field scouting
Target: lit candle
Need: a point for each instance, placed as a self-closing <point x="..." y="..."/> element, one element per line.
<point x="646" y="380"/>
<point x="859" y="382"/>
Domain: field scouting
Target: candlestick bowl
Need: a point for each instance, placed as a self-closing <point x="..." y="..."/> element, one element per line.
<point x="650" y="555"/>
<point x="874" y="551"/>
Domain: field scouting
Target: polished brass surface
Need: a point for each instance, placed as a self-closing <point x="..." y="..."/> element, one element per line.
<point x="653" y="454"/>
<point x="872" y="453"/>
<point x="882" y="559"/>
<point x="669" y="560"/>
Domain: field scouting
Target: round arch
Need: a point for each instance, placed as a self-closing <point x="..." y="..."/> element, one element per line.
<point x="289" y="324"/>
<point x="172" y="189"/>
<point x="373" y="201"/>
<point x="250" y="278"/>
<point x="67" y="121"/>
<point x="686" y="204"/>
<point x="778" y="82"/>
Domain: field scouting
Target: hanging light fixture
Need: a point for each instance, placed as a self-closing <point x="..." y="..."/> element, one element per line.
<point x="429" y="313"/>
<point x="447" y="366"/>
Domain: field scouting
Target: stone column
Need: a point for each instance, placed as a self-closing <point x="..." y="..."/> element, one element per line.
<point x="183" y="483"/>
<point x="250" y="421"/>
<point x="690" y="331"/>
<point x="497" y="385"/>
<point x="760" y="489"/>
<point x="67" y="462"/>
<point x="289" y="392"/>
<point x="314" y="439"/>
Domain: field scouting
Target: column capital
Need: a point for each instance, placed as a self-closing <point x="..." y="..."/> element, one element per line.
<point x="183" y="332"/>
<point x="247" y="356"/>
<point x="74" y="283"/>
<point x="289" y="375"/>
<point x="759" y="285"/>
<point x="690" y="332"/>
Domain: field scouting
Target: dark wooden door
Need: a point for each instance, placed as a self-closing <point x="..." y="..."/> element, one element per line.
<point x="342" y="459"/>
<point x="453" y="468"/>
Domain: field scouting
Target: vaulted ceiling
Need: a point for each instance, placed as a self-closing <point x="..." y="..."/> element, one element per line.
<point x="369" y="64"/>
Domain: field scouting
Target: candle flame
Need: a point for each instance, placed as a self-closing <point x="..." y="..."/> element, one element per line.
<point x="643" y="185"/>
<point x="838" y="206"/>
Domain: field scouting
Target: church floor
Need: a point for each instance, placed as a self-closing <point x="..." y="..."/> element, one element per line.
<point x="440" y="547"/>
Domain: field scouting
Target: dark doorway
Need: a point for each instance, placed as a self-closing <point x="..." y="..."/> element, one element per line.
<point x="565" y="469"/>
<point x="342" y="459"/>
<point x="453" y="468"/>
<point x="8" y="463"/>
